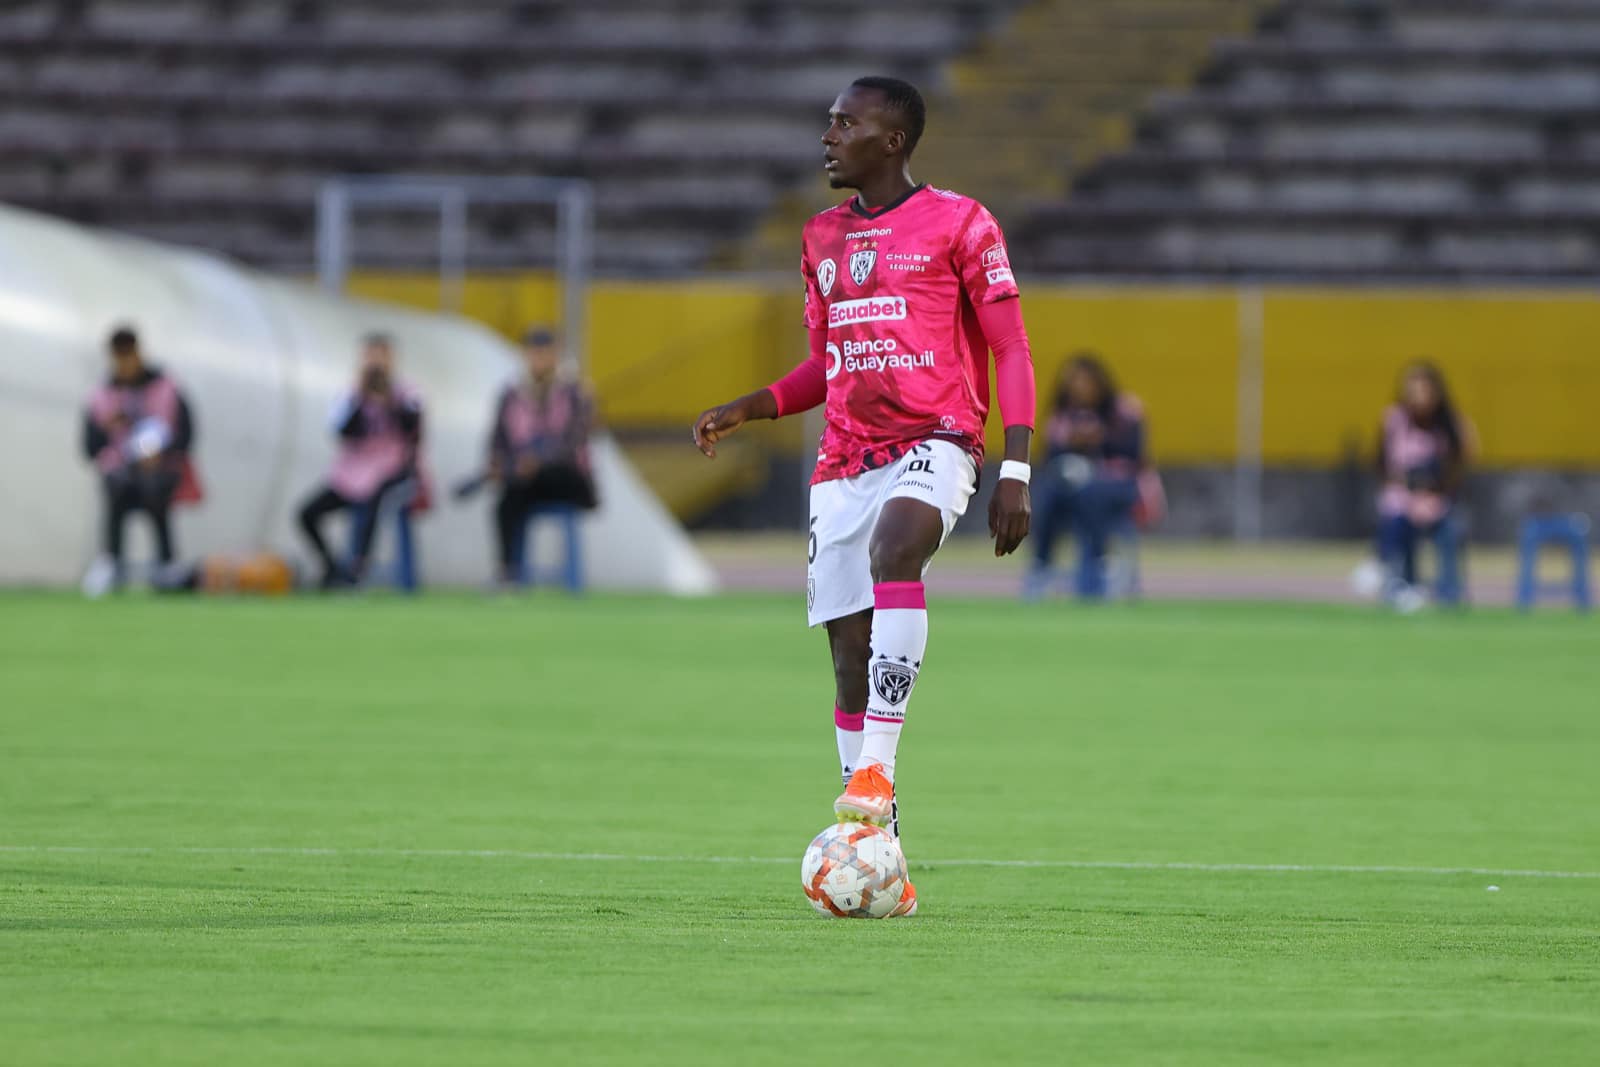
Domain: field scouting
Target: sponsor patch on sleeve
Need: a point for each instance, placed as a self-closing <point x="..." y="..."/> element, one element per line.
<point x="996" y="267"/>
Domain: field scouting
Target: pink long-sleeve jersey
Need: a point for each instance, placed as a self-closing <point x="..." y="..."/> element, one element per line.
<point x="898" y="293"/>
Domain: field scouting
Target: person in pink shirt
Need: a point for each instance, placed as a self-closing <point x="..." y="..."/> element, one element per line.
<point x="1424" y="449"/>
<point x="379" y="427"/>
<point x="538" y="446"/>
<point x="137" y="431"/>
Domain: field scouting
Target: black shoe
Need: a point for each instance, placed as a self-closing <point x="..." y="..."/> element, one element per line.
<point x="336" y="578"/>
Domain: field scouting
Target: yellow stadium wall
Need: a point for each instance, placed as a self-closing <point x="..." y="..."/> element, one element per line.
<point x="1522" y="364"/>
<point x="1523" y="367"/>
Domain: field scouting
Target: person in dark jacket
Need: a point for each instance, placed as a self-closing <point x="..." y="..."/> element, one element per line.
<point x="1089" y="482"/>
<point x="138" y="430"/>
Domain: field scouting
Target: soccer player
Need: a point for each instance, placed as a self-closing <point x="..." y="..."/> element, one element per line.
<point x="908" y="288"/>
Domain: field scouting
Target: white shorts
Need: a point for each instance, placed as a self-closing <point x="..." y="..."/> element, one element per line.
<point x="845" y="510"/>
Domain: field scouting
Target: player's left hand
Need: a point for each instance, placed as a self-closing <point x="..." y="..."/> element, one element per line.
<point x="1010" y="512"/>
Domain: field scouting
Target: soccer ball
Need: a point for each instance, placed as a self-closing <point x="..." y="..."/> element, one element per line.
<point x="854" y="871"/>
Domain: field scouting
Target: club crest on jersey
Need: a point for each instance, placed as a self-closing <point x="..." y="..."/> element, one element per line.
<point x="893" y="679"/>
<point x="861" y="264"/>
<point x="827" y="270"/>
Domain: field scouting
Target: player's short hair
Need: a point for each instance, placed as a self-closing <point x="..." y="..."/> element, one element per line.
<point x="123" y="339"/>
<point x="903" y="98"/>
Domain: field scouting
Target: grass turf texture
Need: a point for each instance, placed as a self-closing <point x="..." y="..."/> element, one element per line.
<point x="634" y="727"/>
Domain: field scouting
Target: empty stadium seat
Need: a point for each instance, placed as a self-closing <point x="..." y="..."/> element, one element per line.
<point x="125" y="112"/>
<point x="1411" y="138"/>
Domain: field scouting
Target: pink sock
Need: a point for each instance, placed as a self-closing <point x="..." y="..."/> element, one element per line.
<point x="847" y="731"/>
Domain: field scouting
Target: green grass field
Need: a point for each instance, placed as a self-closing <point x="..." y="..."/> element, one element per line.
<point x="354" y="832"/>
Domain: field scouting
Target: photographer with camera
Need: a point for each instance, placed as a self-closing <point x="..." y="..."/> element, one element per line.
<point x="379" y="426"/>
<point x="137" y="431"/>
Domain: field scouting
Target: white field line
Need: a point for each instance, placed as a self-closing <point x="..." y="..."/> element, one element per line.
<point x="612" y="857"/>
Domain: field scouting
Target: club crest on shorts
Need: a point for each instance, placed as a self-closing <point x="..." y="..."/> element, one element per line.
<point x="893" y="679"/>
<point x="827" y="270"/>
<point x="811" y="593"/>
<point x="861" y="264"/>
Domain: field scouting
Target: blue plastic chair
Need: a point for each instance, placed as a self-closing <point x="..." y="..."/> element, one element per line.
<point x="569" y="572"/>
<point x="1563" y="531"/>
<point x="396" y="507"/>
<point x="1123" y="578"/>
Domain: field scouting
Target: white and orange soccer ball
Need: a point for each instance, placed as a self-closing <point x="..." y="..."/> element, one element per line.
<point x="854" y="871"/>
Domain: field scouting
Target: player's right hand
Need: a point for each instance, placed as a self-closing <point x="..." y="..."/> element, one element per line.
<point x="716" y="423"/>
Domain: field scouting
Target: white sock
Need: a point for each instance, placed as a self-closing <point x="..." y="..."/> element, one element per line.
<point x="899" y="638"/>
<point x="847" y="731"/>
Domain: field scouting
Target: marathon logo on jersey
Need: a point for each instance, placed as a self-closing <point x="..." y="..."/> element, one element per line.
<point x="827" y="271"/>
<point x="872" y="309"/>
<point x="996" y="267"/>
<point x="867" y="235"/>
<point x="861" y="264"/>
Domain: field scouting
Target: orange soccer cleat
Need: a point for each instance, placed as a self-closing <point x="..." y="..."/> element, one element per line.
<point x="908" y="903"/>
<point x="868" y="798"/>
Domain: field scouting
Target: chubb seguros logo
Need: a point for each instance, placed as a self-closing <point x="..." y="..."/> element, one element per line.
<point x="872" y="309"/>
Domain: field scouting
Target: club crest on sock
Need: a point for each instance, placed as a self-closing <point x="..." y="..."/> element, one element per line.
<point x="892" y="678"/>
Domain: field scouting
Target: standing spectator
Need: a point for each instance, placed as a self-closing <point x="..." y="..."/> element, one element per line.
<point x="137" y="430"/>
<point x="539" y="445"/>
<point x="1090" y="481"/>
<point x="379" y="426"/>
<point x="1424" y="448"/>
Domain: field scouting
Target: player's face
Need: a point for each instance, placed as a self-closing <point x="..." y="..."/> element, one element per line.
<point x="858" y="139"/>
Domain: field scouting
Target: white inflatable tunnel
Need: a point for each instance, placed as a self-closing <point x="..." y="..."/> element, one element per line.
<point x="262" y="360"/>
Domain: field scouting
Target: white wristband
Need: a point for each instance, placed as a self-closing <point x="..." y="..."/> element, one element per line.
<point x="1015" y="468"/>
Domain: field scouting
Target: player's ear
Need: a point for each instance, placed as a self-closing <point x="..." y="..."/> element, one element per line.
<point x="895" y="143"/>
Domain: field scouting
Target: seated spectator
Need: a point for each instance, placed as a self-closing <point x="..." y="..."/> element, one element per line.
<point x="539" y="446"/>
<point x="379" y="426"/>
<point x="137" y="430"/>
<point x="1094" y="473"/>
<point x="1424" y="448"/>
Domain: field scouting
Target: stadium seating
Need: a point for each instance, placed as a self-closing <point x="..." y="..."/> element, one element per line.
<point x="1350" y="138"/>
<point x="210" y="122"/>
<point x="1044" y="95"/>
<point x="1343" y="138"/>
